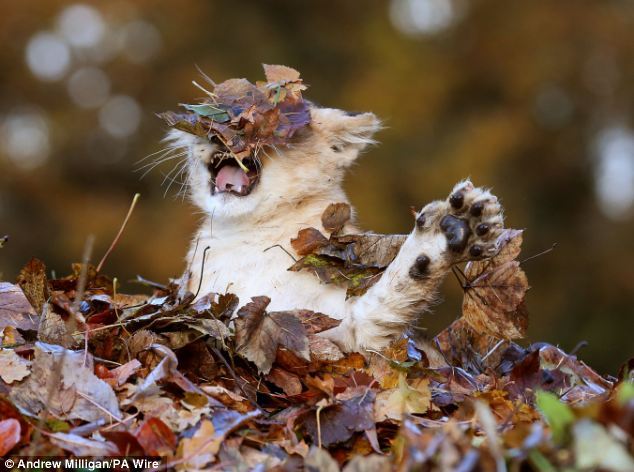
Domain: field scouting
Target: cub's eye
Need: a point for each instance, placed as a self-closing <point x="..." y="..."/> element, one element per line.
<point x="336" y="148"/>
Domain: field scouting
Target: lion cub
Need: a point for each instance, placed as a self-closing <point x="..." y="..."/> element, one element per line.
<point x="252" y="211"/>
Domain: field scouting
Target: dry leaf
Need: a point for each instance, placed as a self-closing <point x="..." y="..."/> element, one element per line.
<point x="54" y="329"/>
<point x="495" y="289"/>
<point x="308" y="240"/>
<point x="82" y="447"/>
<point x="259" y="334"/>
<point x="76" y="393"/>
<point x="335" y="216"/>
<point x="405" y="399"/>
<point x="33" y="282"/>
<point x="156" y="438"/>
<point x="289" y="383"/>
<point x="337" y="423"/>
<point x="319" y="460"/>
<point x="15" y="309"/>
<point x="322" y="349"/>
<point x="199" y="450"/>
<point x="12" y="366"/>
<point x="245" y="117"/>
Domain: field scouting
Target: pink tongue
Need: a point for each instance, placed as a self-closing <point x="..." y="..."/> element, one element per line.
<point x="233" y="178"/>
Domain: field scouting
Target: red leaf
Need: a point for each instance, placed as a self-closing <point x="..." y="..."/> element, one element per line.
<point x="156" y="438"/>
<point x="9" y="435"/>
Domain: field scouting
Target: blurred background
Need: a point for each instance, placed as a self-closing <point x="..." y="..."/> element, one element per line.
<point x="532" y="98"/>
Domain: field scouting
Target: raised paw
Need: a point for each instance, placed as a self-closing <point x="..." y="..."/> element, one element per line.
<point x="470" y="219"/>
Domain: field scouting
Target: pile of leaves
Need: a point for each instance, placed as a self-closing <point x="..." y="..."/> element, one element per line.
<point x="246" y="117"/>
<point x="88" y="371"/>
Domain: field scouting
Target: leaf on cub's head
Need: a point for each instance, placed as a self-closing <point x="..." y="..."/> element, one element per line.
<point x="280" y="74"/>
<point x="209" y="111"/>
<point x="187" y="122"/>
<point x="495" y="288"/>
<point x="335" y="216"/>
<point x="259" y="334"/>
<point x="245" y="117"/>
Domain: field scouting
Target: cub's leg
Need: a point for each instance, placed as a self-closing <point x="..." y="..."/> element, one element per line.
<point x="461" y="228"/>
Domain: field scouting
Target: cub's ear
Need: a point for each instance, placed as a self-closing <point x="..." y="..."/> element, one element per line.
<point x="346" y="131"/>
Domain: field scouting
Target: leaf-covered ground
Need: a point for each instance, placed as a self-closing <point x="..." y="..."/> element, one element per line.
<point x="88" y="371"/>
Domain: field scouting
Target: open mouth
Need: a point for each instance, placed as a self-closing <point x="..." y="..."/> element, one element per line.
<point x="227" y="176"/>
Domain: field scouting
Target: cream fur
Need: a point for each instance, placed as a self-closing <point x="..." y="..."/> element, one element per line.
<point x="245" y="240"/>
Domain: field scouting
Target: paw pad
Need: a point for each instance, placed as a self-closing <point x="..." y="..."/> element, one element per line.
<point x="472" y="222"/>
<point x="456" y="201"/>
<point x="420" y="268"/>
<point x="457" y="232"/>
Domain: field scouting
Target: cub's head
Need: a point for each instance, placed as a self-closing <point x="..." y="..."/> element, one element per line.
<point x="310" y="164"/>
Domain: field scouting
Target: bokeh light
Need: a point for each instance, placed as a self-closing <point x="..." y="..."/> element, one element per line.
<point x="24" y="139"/>
<point x="81" y="25"/>
<point x="88" y="87"/>
<point x="142" y="41"/>
<point x="48" y="56"/>
<point x="120" y="116"/>
<point x="415" y="17"/>
<point x="614" y="181"/>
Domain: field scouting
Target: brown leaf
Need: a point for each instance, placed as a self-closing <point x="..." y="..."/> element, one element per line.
<point x="245" y="117"/>
<point x="9" y="435"/>
<point x="331" y="270"/>
<point x="156" y="438"/>
<point x="322" y="349"/>
<point x="125" y="441"/>
<point x="315" y="322"/>
<point x="308" y="240"/>
<point x="54" y="329"/>
<point x="366" y="249"/>
<point x="288" y="382"/>
<point x="259" y="334"/>
<point x="495" y="289"/>
<point x="352" y="413"/>
<point x="352" y="261"/>
<point x="15" y="309"/>
<point x="278" y="73"/>
<point x="33" y="282"/>
<point x="335" y="216"/>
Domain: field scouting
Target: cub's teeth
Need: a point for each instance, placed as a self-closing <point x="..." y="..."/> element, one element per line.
<point x="239" y="189"/>
<point x="216" y="189"/>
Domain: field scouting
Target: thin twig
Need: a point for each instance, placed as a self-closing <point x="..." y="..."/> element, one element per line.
<point x="202" y="272"/>
<point x="116" y="239"/>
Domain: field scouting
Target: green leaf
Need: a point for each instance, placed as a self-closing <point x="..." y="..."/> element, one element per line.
<point x="540" y="462"/>
<point x="558" y="415"/>
<point x="208" y="110"/>
<point x="625" y="393"/>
